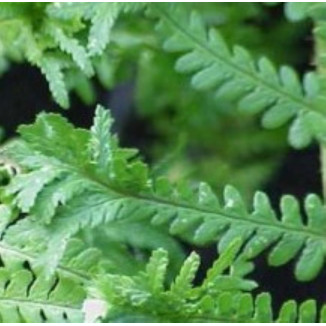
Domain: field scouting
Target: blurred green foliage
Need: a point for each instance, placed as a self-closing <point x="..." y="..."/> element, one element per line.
<point x="195" y="134"/>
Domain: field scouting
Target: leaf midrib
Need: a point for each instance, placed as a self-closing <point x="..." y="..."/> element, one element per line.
<point x="38" y="303"/>
<point x="83" y="277"/>
<point x="151" y="200"/>
<point x="236" y="68"/>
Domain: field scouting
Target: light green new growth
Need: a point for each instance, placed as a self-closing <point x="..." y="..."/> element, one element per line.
<point x="221" y="297"/>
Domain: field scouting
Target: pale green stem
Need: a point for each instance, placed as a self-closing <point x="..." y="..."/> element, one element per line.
<point x="320" y="51"/>
<point x="323" y="168"/>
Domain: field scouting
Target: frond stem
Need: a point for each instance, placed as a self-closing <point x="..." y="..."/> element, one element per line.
<point x="323" y="168"/>
<point x="320" y="49"/>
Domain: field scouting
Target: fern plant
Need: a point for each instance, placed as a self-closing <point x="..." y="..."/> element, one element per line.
<point x="89" y="232"/>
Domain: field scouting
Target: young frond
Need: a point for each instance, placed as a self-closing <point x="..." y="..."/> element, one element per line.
<point x="135" y="299"/>
<point x="149" y="295"/>
<point x="256" y="86"/>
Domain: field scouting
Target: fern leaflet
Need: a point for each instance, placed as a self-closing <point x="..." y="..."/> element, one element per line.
<point x="30" y="298"/>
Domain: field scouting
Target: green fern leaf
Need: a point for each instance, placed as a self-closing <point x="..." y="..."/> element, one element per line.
<point x="72" y="47"/>
<point x="52" y="37"/>
<point x="67" y="11"/>
<point x="101" y="138"/>
<point x="29" y="298"/>
<point x="25" y="200"/>
<point x="156" y="271"/>
<point x="237" y="77"/>
<point x="184" y="281"/>
<point x="182" y="301"/>
<point x="102" y="23"/>
<point x="130" y="299"/>
<point x="52" y="71"/>
<point x="103" y="183"/>
<point x="23" y="242"/>
<point x="222" y="264"/>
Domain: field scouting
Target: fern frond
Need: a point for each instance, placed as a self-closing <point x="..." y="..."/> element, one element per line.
<point x="21" y="244"/>
<point x="240" y="308"/>
<point x="132" y="299"/>
<point x="147" y="294"/>
<point x="59" y="35"/>
<point x="96" y="182"/>
<point x="26" y="297"/>
<point x="109" y="251"/>
<point x="237" y="77"/>
<point x="79" y="263"/>
<point x="23" y="240"/>
<point x="73" y="47"/>
<point x="102" y="17"/>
